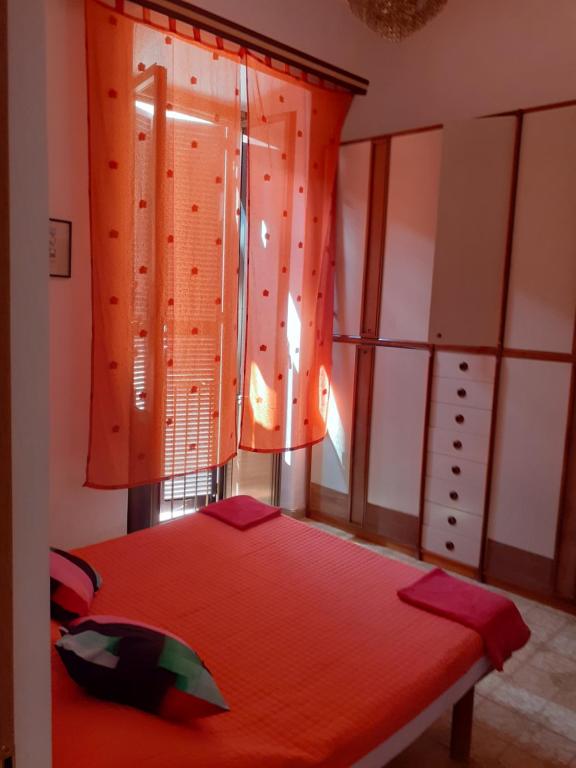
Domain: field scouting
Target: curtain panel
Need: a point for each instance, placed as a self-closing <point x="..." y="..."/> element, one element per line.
<point x="294" y="135"/>
<point x="165" y="149"/>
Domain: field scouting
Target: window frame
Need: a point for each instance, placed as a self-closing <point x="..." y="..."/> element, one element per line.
<point x="145" y="503"/>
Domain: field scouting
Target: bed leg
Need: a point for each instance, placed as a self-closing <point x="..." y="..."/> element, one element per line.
<point x="461" y="736"/>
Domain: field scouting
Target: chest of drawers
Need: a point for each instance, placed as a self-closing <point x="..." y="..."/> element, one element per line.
<point x="458" y="446"/>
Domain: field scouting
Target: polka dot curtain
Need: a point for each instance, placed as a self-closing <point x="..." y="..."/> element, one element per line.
<point x="294" y="134"/>
<point x="165" y="129"/>
<point x="165" y="150"/>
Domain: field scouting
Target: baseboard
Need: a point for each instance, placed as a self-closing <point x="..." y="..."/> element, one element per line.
<point x="298" y="514"/>
<point x="360" y="533"/>
<point x="525" y="570"/>
<point x="326" y="501"/>
<point x="395" y="527"/>
<point x="450" y="565"/>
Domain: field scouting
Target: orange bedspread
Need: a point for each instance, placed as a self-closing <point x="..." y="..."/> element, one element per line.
<point x="303" y="632"/>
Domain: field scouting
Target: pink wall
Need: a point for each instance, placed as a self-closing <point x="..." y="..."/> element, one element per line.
<point x="28" y="215"/>
<point x="475" y="58"/>
<point x="77" y="515"/>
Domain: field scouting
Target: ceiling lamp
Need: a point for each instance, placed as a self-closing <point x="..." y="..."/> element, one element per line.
<point x="396" y="19"/>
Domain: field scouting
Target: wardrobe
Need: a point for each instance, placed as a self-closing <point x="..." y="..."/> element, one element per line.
<point x="451" y="426"/>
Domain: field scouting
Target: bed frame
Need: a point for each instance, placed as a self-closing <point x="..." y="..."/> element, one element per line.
<point x="461" y="698"/>
<point x="249" y="560"/>
<point x="461" y="734"/>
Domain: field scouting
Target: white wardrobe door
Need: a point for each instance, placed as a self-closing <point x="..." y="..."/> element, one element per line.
<point x="542" y="296"/>
<point x="473" y="212"/>
<point x="397" y="428"/>
<point x="410" y="235"/>
<point x="529" y="454"/>
<point x="352" y="199"/>
<point x="331" y="457"/>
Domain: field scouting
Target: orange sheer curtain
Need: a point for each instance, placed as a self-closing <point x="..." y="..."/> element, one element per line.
<point x="165" y="140"/>
<point x="294" y="133"/>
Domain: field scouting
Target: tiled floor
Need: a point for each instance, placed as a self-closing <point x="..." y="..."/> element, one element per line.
<point x="524" y="717"/>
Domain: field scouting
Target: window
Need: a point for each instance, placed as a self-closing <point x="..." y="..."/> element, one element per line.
<point x="166" y="148"/>
<point x="248" y="473"/>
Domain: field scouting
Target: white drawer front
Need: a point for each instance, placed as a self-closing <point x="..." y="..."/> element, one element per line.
<point x="458" y="444"/>
<point x="461" y="418"/>
<point x="456" y="365"/>
<point x="462" y="549"/>
<point x="456" y="493"/>
<point x="448" y="468"/>
<point x="474" y="394"/>
<point x="452" y="521"/>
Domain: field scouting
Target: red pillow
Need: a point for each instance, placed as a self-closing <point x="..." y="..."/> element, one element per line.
<point x="241" y="511"/>
<point x="73" y="583"/>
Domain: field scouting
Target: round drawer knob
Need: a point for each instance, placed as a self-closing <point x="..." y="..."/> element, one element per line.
<point x="450" y="546"/>
<point x="463" y="366"/>
<point x="459" y="419"/>
<point x="461" y="392"/>
<point x="456" y="470"/>
<point x="451" y="520"/>
<point x="454" y="495"/>
<point x="457" y="444"/>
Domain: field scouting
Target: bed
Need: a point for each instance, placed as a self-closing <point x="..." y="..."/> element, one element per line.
<point x="320" y="662"/>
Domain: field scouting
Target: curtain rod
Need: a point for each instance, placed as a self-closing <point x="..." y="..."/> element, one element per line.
<point x="210" y="22"/>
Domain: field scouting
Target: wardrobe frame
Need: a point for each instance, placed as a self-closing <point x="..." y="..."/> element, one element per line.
<point x="6" y="599"/>
<point x="366" y="344"/>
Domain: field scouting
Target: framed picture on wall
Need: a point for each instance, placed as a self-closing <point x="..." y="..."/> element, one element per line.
<point x="60" y="248"/>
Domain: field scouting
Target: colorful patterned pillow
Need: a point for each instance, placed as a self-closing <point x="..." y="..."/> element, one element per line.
<point x="73" y="583"/>
<point x="131" y="663"/>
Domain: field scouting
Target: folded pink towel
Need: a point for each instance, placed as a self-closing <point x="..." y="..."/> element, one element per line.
<point x="241" y="511"/>
<point x="494" y="617"/>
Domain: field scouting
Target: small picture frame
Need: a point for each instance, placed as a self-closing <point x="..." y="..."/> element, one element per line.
<point x="60" y="248"/>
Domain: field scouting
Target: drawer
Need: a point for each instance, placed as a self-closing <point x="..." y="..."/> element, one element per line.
<point x="456" y="365"/>
<point x="452" y="521"/>
<point x="461" y="418"/>
<point x="474" y="394"/>
<point x="458" y="444"/>
<point x="462" y="549"/>
<point x="448" y="468"/>
<point x="456" y="493"/>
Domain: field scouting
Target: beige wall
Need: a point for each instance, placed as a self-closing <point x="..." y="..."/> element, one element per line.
<point x="29" y="342"/>
<point x="78" y="515"/>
